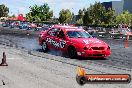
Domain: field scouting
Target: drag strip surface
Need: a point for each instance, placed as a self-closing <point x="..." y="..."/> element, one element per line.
<point x="120" y="58"/>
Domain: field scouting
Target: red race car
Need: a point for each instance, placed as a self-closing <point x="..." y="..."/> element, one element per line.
<point x="74" y="41"/>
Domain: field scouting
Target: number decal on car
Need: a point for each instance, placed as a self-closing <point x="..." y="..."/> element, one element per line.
<point x="60" y="44"/>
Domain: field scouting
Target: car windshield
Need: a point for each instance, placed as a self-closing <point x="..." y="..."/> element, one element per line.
<point x="78" y="34"/>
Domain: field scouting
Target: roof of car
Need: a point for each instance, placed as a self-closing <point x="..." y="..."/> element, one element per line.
<point x="68" y="28"/>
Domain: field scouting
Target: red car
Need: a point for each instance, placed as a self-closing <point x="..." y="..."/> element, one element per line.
<point x="74" y="41"/>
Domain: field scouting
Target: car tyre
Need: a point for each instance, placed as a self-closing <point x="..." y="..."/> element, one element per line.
<point x="44" y="47"/>
<point x="72" y="52"/>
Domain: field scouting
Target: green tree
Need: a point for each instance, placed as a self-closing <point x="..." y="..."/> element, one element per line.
<point x="12" y="16"/>
<point x="110" y="17"/>
<point x="65" y="16"/>
<point x="125" y="18"/>
<point x="84" y="10"/>
<point x="29" y="17"/>
<point x="80" y="14"/>
<point x="87" y="18"/>
<point x="80" y="21"/>
<point x="39" y="13"/>
<point x="97" y="14"/>
<point x="4" y="10"/>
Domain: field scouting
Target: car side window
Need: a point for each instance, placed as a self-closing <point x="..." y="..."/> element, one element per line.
<point x="53" y="32"/>
<point x="60" y="34"/>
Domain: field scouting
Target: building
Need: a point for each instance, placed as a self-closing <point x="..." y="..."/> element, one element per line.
<point x="119" y="6"/>
<point x="127" y="5"/>
<point x="107" y="4"/>
<point x="116" y="5"/>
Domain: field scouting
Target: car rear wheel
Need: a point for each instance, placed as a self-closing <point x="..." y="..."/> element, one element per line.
<point x="44" y="47"/>
<point x="72" y="52"/>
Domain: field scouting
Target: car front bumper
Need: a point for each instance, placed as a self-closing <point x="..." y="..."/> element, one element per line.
<point x="94" y="53"/>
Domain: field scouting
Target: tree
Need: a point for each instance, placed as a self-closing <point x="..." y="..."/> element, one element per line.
<point x="29" y="17"/>
<point x="87" y="18"/>
<point x="39" y="13"/>
<point x="109" y="16"/>
<point x="4" y="10"/>
<point x="84" y="10"/>
<point x="12" y="16"/>
<point x="80" y="14"/>
<point x="125" y="18"/>
<point x="65" y="16"/>
<point x="79" y="20"/>
<point x="97" y="14"/>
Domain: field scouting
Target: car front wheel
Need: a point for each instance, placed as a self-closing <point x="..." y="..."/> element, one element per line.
<point x="72" y="52"/>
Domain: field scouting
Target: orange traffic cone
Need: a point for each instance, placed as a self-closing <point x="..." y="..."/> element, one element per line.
<point x="127" y="41"/>
<point x="81" y="71"/>
<point x="3" y="82"/>
<point x="3" y="63"/>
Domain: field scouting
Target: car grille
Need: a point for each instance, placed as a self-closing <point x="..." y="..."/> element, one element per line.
<point x="97" y="48"/>
<point x="98" y="54"/>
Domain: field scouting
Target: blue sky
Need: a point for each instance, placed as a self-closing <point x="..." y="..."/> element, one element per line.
<point x="22" y="6"/>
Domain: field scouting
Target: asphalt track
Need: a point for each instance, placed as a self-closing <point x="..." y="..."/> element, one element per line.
<point x="121" y="58"/>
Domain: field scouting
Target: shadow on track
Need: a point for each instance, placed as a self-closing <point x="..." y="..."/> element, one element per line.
<point x="65" y="55"/>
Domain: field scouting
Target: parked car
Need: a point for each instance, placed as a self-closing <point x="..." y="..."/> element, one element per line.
<point x="32" y="26"/>
<point x="14" y="25"/>
<point x="5" y="24"/>
<point x="24" y="25"/>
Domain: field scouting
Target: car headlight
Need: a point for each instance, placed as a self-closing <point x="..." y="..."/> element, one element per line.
<point x="87" y="48"/>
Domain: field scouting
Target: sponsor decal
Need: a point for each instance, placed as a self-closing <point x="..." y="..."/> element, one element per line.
<point x="60" y="44"/>
<point x="86" y="41"/>
<point x="92" y="41"/>
<point x="83" y="78"/>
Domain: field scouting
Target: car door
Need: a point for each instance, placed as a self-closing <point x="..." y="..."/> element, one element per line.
<point x="51" y="38"/>
<point x="61" y="39"/>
